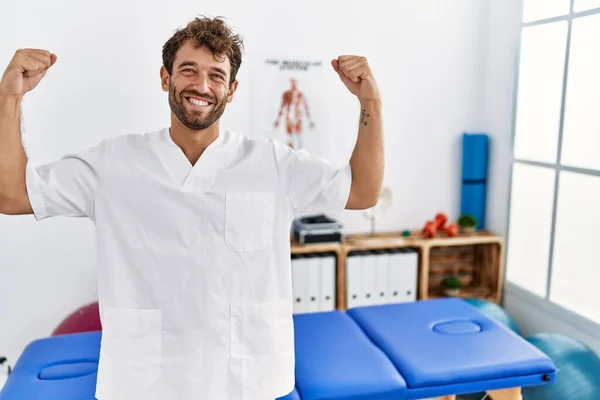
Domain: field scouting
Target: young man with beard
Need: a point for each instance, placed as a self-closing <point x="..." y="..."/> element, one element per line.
<point x="192" y="223"/>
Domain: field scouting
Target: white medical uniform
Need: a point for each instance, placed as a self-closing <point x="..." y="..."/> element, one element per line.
<point x="194" y="273"/>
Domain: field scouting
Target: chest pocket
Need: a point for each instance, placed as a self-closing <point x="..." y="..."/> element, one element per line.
<point x="249" y="220"/>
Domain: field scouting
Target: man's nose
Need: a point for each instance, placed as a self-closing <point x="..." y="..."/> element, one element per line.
<point x="202" y="84"/>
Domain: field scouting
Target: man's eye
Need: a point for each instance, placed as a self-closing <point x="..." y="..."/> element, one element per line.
<point x="187" y="70"/>
<point x="217" y="76"/>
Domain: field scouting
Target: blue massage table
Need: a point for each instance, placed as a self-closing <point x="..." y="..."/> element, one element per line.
<point x="401" y="351"/>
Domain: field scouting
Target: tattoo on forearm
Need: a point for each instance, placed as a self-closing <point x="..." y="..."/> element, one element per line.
<point x="363" y="116"/>
<point x="21" y="124"/>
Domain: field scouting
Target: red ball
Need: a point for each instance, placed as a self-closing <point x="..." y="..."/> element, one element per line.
<point x="85" y="319"/>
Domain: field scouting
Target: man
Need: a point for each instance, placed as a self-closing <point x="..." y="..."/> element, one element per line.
<point x="192" y="223"/>
<point x="293" y="104"/>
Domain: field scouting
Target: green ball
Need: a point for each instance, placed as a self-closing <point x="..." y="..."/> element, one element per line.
<point x="578" y="369"/>
<point x="495" y="312"/>
<point x="406" y="233"/>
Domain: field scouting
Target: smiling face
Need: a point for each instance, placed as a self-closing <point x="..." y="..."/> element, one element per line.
<point x="198" y="87"/>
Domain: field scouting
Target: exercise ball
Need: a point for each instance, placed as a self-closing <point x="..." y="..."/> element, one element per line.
<point x="495" y="312"/>
<point x="85" y="319"/>
<point x="578" y="376"/>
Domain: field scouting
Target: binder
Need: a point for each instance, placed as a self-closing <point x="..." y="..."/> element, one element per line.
<point x="369" y="271"/>
<point x="395" y="288"/>
<point x="381" y="292"/>
<point x="313" y="272"/>
<point x="328" y="287"/>
<point x="411" y="275"/>
<point x="403" y="264"/>
<point x="354" y="296"/>
<point x="299" y="283"/>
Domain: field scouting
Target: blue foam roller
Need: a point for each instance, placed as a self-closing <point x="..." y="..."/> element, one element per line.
<point x="473" y="197"/>
<point x="475" y="157"/>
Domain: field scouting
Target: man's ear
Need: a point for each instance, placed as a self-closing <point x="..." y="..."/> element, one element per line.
<point x="232" y="89"/>
<point x="164" y="78"/>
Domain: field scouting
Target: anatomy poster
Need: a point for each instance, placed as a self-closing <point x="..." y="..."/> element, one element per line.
<point x="289" y="99"/>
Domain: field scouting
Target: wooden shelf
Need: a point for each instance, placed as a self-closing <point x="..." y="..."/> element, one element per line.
<point x="466" y="292"/>
<point x="476" y="257"/>
<point x="297" y="248"/>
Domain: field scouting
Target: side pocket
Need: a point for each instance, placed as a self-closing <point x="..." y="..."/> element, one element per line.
<point x="130" y="352"/>
<point x="262" y="348"/>
<point x="261" y="328"/>
<point x="132" y="334"/>
<point x="249" y="218"/>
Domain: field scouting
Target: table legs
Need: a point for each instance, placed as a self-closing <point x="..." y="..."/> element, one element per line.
<point x="499" y="394"/>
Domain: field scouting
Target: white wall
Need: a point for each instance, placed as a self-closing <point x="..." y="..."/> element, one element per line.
<point x="428" y="57"/>
<point x="503" y="35"/>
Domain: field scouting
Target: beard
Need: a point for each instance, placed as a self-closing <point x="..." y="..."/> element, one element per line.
<point x="195" y="119"/>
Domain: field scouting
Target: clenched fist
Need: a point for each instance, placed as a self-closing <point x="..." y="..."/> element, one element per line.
<point x="25" y="71"/>
<point x="356" y="74"/>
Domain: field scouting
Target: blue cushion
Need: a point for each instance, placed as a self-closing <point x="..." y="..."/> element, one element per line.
<point x="68" y="370"/>
<point x="446" y="346"/>
<point x="56" y="368"/>
<point x="336" y="360"/>
<point x="292" y="396"/>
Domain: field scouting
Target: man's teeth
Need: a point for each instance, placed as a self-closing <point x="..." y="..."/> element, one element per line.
<point x="200" y="103"/>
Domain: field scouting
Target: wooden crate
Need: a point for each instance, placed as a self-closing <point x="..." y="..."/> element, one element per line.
<point x="476" y="258"/>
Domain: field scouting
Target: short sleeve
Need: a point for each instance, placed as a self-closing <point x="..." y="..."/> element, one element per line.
<point x="313" y="184"/>
<point x="68" y="187"/>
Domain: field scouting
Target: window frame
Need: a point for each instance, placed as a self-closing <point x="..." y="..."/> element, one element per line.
<point x="544" y="303"/>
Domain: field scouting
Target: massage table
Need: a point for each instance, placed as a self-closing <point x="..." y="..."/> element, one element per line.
<point x="424" y="349"/>
<point x="418" y="350"/>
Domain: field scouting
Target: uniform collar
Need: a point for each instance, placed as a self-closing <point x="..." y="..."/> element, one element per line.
<point x="165" y="138"/>
<point x="184" y="175"/>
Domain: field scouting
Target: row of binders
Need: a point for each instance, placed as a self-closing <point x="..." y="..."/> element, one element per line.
<point x="381" y="277"/>
<point x="372" y="277"/>
<point x="313" y="282"/>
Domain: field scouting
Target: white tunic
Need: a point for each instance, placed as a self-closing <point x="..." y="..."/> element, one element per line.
<point x="194" y="273"/>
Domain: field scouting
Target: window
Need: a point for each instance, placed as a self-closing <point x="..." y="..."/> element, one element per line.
<point x="541" y="71"/>
<point x="530" y="227"/>
<point x="575" y="271"/>
<point x="554" y="211"/>
<point x="585" y="5"/>
<point x="534" y="10"/>
<point x="581" y="141"/>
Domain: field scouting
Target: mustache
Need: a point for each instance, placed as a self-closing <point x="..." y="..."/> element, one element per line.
<point x="199" y="95"/>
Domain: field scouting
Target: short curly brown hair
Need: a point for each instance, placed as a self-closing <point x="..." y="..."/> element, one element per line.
<point x="211" y="33"/>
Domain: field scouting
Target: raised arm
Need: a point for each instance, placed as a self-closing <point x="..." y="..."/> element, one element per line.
<point x="367" y="160"/>
<point x="24" y="72"/>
